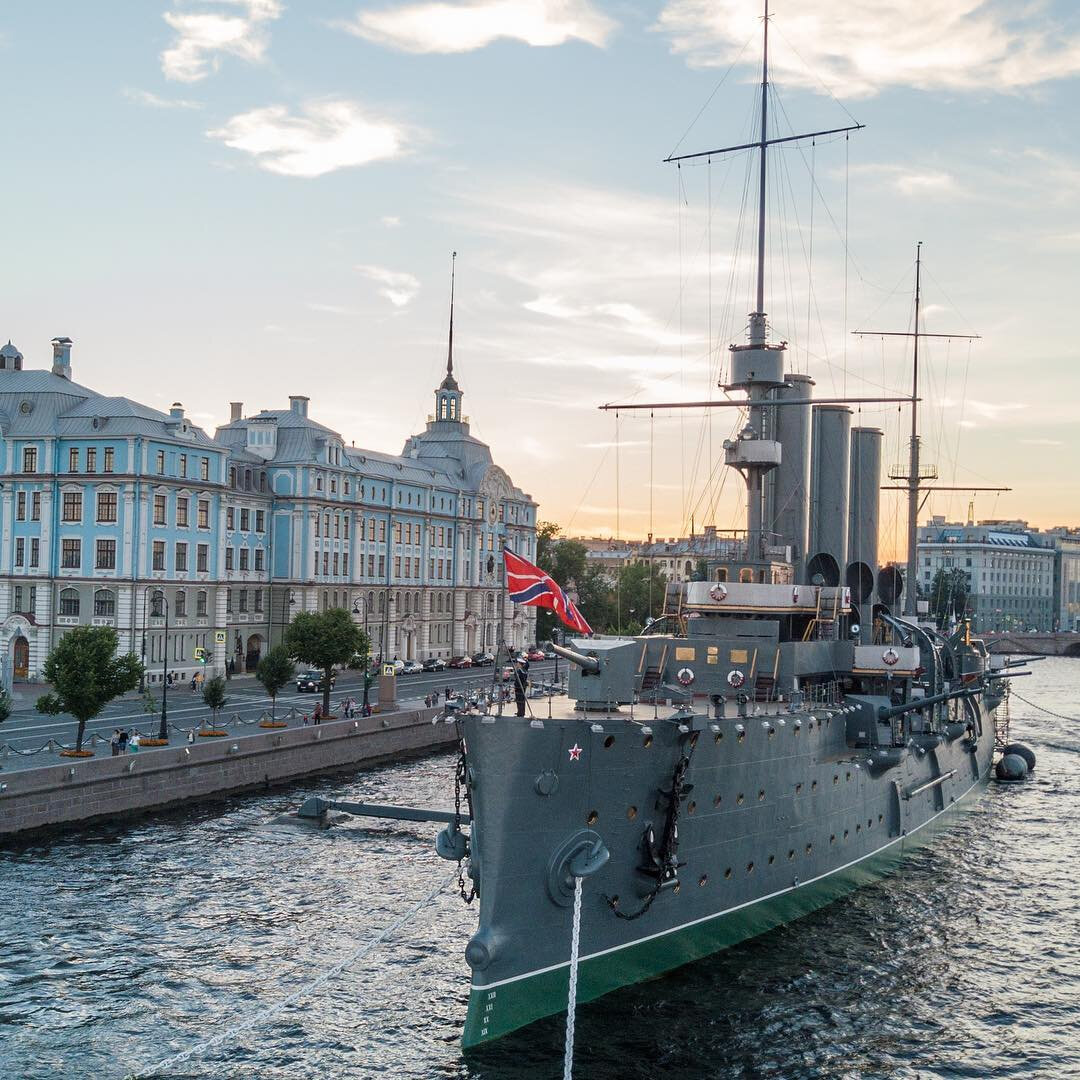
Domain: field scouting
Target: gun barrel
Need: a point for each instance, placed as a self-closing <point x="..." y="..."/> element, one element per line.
<point x="586" y="663"/>
<point x="887" y="712"/>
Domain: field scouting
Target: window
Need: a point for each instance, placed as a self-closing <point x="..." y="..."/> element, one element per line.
<point x="230" y="518"/>
<point x="335" y="567"/>
<point x="109" y="454"/>
<point x="35" y="550"/>
<point x="258" y="594"/>
<point x="245" y="520"/>
<point x="318" y="483"/>
<point x="91" y="459"/>
<point x="244" y="558"/>
<point x="159" y="509"/>
<point x="397" y="532"/>
<point x="202" y="559"/>
<point x="259" y="553"/>
<point x="20" y="551"/>
<point x="382" y="566"/>
<point x="29" y="459"/>
<point x="318" y="522"/>
<point x="20" y="506"/>
<point x="105" y="604"/>
<point x="106" y="506"/>
<point x="71" y="554"/>
<point x="228" y="601"/>
<point x="371" y="565"/>
<point x="204" y="469"/>
<point x="204" y="513"/>
<point x="183" y="464"/>
<point x="228" y="558"/>
<point x="325" y="563"/>
<point x="180" y="604"/>
<point x="260" y="521"/>
<point x="73" y="459"/>
<point x="105" y="555"/>
<point x="200" y="604"/>
<point x="181" y="558"/>
<point x="72" y="506"/>
<point x="158" y="562"/>
<point x="69" y="602"/>
<point x="35" y="506"/>
<point x="333" y="486"/>
<point x="397" y="566"/>
<point x="243" y="601"/>
<point x="345" y="527"/>
<point x="18" y="598"/>
<point x="371" y="529"/>
<point x="161" y="462"/>
<point x="32" y="605"/>
<point x="182" y="504"/>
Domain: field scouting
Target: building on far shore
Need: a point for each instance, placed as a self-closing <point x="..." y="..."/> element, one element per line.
<point x="106" y="503"/>
<point x="1018" y="577"/>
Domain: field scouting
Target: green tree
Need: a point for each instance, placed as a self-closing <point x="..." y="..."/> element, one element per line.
<point x="324" y="641"/>
<point x="213" y="696"/>
<point x="86" y="674"/>
<point x="640" y="595"/>
<point x="948" y="594"/>
<point x="275" y="670"/>
<point x="5" y="705"/>
<point x="596" y="600"/>
<point x="565" y="561"/>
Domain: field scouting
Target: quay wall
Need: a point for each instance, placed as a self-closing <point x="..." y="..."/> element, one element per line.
<point x="92" y="789"/>
<point x="1057" y="644"/>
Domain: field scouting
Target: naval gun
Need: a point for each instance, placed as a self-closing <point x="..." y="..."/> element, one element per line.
<point x="888" y="712"/>
<point x="604" y="671"/>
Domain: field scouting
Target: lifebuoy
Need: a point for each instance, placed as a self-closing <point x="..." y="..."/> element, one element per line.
<point x="719" y="591"/>
<point x="890" y="656"/>
<point x="685" y="676"/>
<point x="735" y="678"/>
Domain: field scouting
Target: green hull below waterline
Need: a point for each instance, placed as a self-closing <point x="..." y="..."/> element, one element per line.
<point x="497" y="1011"/>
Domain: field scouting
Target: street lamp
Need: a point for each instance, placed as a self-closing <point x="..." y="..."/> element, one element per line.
<point x="360" y="608"/>
<point x="163" y="730"/>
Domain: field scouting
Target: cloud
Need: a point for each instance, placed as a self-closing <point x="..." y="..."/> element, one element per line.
<point x="391" y="221"/>
<point x="399" y="287"/>
<point x="144" y="97"/>
<point x="1042" y="442"/>
<point x="329" y="309"/>
<point x="327" y="135"/>
<point x="217" y="27"/>
<point x="462" y="27"/>
<point x="860" y="47"/>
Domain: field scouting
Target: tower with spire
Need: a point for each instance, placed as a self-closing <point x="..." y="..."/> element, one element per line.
<point x="448" y="395"/>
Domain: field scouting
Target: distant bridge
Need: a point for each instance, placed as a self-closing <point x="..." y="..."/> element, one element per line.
<point x="1033" y="644"/>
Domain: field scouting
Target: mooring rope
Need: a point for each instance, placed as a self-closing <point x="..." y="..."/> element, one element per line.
<point x="571" y="1003"/>
<point x="259" y="1018"/>
<point x="1042" y="709"/>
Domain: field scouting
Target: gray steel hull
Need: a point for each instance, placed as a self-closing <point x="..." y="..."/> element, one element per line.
<point x="782" y="819"/>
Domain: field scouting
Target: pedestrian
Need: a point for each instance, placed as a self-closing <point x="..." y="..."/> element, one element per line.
<point x="122" y="739"/>
<point x="133" y="743"/>
<point x="194" y="682"/>
<point x="316" y="716"/>
<point x="114" y="742"/>
<point x="521" y="679"/>
<point x="191" y="735"/>
<point x="305" y="719"/>
<point x="169" y="678"/>
<point x="366" y="710"/>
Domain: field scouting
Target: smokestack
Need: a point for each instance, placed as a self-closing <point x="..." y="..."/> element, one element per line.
<point x="61" y="357"/>
<point x="177" y="411"/>
<point x="236" y="411"/>
<point x="298" y="404"/>
<point x="787" y="487"/>
<point x="830" y="480"/>
<point x="864" y="512"/>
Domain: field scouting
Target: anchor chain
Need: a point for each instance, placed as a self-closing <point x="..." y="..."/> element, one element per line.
<point x="461" y="779"/>
<point x="666" y="858"/>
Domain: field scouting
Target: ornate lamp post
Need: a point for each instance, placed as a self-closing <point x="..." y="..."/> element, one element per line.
<point x="163" y="730"/>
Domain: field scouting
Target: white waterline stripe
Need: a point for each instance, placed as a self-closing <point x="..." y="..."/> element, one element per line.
<point x="728" y="911"/>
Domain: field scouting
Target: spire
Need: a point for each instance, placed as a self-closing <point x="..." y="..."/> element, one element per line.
<point x="448" y="394"/>
<point x="450" y="345"/>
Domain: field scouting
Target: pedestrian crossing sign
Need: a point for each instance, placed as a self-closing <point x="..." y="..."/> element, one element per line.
<point x="219" y="637"/>
<point x="388" y="669"/>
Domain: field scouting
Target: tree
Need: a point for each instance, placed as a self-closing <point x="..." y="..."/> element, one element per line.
<point x="5" y="705"/>
<point x="86" y="674"/>
<point x="640" y="594"/>
<point x="948" y="594"/>
<point x="596" y="599"/>
<point x="213" y="696"/>
<point x="275" y="670"/>
<point x="325" y="641"/>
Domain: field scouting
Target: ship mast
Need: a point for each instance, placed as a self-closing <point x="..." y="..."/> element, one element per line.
<point x="913" y="452"/>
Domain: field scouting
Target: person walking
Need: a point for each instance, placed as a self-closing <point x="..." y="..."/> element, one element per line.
<point x="122" y="740"/>
<point x="114" y="742"/>
<point x="316" y="716"/>
<point x="521" y="680"/>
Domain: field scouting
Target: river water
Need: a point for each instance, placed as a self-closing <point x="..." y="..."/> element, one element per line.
<point x="122" y="945"/>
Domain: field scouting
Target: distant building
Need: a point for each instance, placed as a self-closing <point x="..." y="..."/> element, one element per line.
<point x="1018" y="577"/>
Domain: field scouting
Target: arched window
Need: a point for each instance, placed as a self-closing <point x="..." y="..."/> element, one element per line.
<point x="746" y="574"/>
<point x="408" y="603"/>
<point x="104" y="604"/>
<point x="721" y="573"/>
<point x="180" y="604"/>
<point x="200" y="604"/>
<point x="397" y="601"/>
<point x="382" y="603"/>
<point x="689" y="568"/>
<point x="438" y="602"/>
<point x="371" y="601"/>
<point x="69" y="602"/>
<point x="416" y="603"/>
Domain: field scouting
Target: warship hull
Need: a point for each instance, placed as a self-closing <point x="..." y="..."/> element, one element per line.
<point x="777" y="817"/>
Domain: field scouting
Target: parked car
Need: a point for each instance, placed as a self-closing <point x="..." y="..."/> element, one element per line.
<point x="434" y="663"/>
<point x="549" y="654"/>
<point x="535" y="654"/>
<point x="412" y="667"/>
<point x="312" y="681"/>
<point x="399" y="666"/>
<point x="460" y="662"/>
<point x="483" y="659"/>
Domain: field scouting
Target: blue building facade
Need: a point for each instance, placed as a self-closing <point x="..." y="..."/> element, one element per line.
<point x="106" y="503"/>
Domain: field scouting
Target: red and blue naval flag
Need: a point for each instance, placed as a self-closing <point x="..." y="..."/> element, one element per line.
<point x="529" y="585"/>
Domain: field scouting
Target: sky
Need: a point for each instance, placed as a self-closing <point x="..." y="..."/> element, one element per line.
<point x="228" y="200"/>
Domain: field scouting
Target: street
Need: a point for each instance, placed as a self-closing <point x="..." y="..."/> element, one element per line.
<point x="27" y="729"/>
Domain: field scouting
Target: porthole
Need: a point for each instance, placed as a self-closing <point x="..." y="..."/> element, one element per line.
<point x="717" y="799"/>
<point x="703" y="880"/>
<point x="858" y="828"/>
<point x="809" y="848"/>
<point x="811" y="725"/>
<point x="593" y="818"/>
<point x="691" y="807"/>
<point x="727" y="872"/>
<point x="739" y="798"/>
<point x="772" y="732"/>
<point x="718" y="737"/>
<point x="609" y="742"/>
<point x="869" y="822"/>
<point x="749" y="867"/>
<point x="798" y="788"/>
<point x="742" y="736"/>
<point x="796" y="729"/>
<point x="647" y="741"/>
<point x="761" y="795"/>
<point x="631" y="813"/>
<point x="772" y="859"/>
<point x="791" y="854"/>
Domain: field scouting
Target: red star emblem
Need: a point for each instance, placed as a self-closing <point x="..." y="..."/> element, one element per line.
<point x="575" y="752"/>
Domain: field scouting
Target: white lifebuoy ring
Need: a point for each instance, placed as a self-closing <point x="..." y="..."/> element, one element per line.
<point x="685" y="676"/>
<point x="795" y="595"/>
<point x="735" y="678"/>
<point x="719" y="591"/>
<point x="890" y="656"/>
